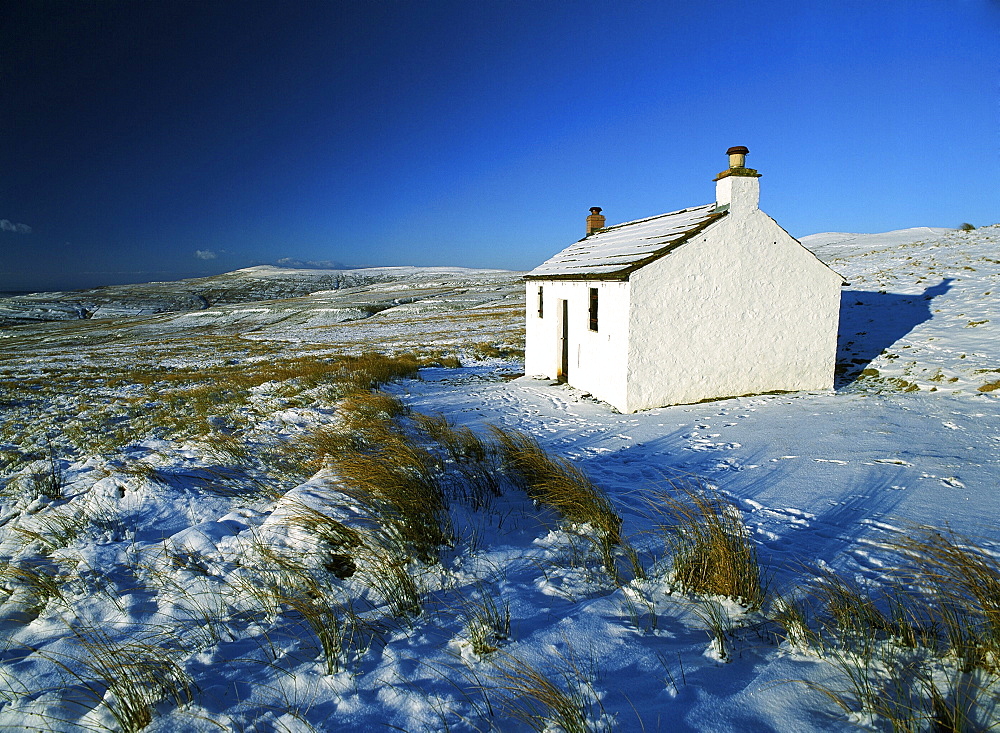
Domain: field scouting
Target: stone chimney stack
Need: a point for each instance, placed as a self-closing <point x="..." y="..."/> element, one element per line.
<point x="595" y="221"/>
<point x="738" y="187"/>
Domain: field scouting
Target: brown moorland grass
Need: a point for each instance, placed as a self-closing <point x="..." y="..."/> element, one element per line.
<point x="396" y="484"/>
<point x="559" y="484"/>
<point x="473" y="461"/>
<point x="712" y="554"/>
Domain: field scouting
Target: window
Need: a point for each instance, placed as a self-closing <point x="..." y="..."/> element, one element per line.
<point x="593" y="309"/>
<point x="541" y="303"/>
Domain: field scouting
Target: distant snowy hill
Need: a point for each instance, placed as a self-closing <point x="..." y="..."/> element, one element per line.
<point x="920" y="310"/>
<point x="838" y="241"/>
<point x="248" y="285"/>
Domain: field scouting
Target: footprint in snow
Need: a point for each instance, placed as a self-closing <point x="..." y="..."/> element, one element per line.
<point x="729" y="464"/>
<point x="709" y="445"/>
<point x="889" y="529"/>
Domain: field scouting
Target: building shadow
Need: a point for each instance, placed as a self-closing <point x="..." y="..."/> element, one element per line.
<point x="871" y="322"/>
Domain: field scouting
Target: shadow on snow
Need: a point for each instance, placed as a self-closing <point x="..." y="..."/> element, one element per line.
<point x="871" y="322"/>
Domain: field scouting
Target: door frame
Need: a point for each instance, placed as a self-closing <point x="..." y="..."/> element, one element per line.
<point x="562" y="340"/>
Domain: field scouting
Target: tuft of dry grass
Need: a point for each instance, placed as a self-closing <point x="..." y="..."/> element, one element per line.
<point x="32" y="585"/>
<point x="343" y="634"/>
<point x="130" y="680"/>
<point x="397" y="486"/>
<point x="487" y="621"/>
<point x="371" y="370"/>
<point x="472" y="459"/>
<point x="541" y="701"/>
<point x="390" y="576"/>
<point x="335" y="541"/>
<point x="922" y="650"/>
<point x="960" y="590"/>
<point x="537" y="701"/>
<point x="711" y="551"/>
<point x="559" y="484"/>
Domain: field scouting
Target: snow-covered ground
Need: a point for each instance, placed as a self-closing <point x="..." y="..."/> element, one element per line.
<point x="148" y="561"/>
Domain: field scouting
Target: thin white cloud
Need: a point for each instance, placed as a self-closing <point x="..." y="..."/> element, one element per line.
<point x="8" y="226"/>
<point x="205" y="254"/>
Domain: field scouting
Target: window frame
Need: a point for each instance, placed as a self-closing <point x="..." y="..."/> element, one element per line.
<point x="592" y="311"/>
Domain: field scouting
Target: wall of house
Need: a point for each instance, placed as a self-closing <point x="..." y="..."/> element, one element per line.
<point x="597" y="360"/>
<point x="741" y="309"/>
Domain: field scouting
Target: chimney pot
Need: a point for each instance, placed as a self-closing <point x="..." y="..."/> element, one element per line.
<point x="595" y="221"/>
<point x="737" y="156"/>
<point x="737" y="187"/>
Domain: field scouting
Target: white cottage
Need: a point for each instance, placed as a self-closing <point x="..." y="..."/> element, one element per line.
<point x="702" y="303"/>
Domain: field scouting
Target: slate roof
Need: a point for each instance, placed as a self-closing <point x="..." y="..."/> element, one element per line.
<point x="614" y="252"/>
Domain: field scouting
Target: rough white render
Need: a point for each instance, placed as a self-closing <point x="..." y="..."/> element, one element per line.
<point x="741" y="309"/>
<point x="597" y="360"/>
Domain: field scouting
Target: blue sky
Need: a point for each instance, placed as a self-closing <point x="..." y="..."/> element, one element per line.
<point x="156" y="140"/>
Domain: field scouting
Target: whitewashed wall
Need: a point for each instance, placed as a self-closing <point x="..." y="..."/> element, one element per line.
<point x="741" y="309"/>
<point x="597" y="360"/>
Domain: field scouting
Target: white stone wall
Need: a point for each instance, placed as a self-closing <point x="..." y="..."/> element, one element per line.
<point x="597" y="360"/>
<point x="742" y="193"/>
<point x="741" y="309"/>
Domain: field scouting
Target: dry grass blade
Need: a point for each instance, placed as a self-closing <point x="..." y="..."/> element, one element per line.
<point x="557" y="483"/>
<point x="538" y="701"/>
<point x="712" y="553"/>
<point x="398" y="488"/>
<point x="961" y="584"/>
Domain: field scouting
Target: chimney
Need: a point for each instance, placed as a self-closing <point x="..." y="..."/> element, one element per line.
<point x="737" y="156"/>
<point x="738" y="187"/>
<point x="595" y="221"/>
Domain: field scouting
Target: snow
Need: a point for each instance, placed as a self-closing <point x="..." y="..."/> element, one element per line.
<point x="167" y="565"/>
<point x="617" y="248"/>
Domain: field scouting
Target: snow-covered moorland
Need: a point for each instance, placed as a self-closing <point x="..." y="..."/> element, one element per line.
<point x="345" y="510"/>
